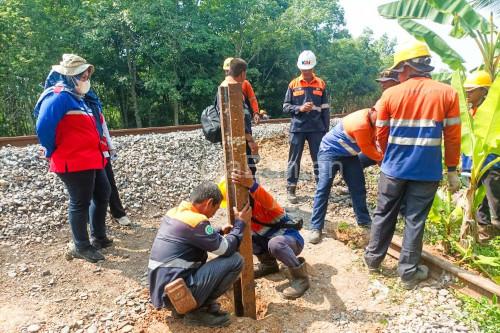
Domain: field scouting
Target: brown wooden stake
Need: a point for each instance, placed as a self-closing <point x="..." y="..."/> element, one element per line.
<point x="234" y="144"/>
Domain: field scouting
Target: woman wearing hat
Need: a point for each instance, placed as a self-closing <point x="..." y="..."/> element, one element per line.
<point x="71" y="133"/>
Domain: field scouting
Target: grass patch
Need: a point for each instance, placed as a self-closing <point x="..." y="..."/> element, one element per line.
<point x="484" y="313"/>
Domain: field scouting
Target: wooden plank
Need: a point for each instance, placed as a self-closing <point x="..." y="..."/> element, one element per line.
<point x="232" y="124"/>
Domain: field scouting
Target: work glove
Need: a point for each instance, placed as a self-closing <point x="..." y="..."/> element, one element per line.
<point x="453" y="181"/>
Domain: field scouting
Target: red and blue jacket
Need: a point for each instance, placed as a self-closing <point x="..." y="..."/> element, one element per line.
<point x="412" y="119"/>
<point x="68" y="130"/>
<point x="353" y="135"/>
<point x="299" y="92"/>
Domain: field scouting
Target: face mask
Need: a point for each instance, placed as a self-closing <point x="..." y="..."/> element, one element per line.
<point x="82" y="87"/>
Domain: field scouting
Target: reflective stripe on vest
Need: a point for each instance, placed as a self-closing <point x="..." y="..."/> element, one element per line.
<point x="426" y="142"/>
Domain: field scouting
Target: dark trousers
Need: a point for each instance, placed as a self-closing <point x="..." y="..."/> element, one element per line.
<point x="89" y="192"/>
<point x="365" y="161"/>
<point x="214" y="278"/>
<point x="297" y="141"/>
<point x="115" y="204"/>
<point x="417" y="197"/>
<point x="284" y="248"/>
<point x="489" y="209"/>
<point x="352" y="172"/>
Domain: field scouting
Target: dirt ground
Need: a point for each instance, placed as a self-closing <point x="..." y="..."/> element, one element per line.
<point x="48" y="293"/>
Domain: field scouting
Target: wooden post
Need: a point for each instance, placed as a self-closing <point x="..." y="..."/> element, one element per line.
<point x="234" y="144"/>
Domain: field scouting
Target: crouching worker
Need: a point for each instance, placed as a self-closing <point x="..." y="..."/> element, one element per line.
<point x="274" y="236"/>
<point x="180" y="251"/>
<point x="339" y="151"/>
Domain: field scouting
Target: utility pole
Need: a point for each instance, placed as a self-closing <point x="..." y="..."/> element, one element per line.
<point x="234" y="145"/>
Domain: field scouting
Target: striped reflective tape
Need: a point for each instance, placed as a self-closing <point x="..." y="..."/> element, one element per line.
<point x="412" y="123"/>
<point x="78" y="112"/>
<point x="382" y="123"/>
<point x="349" y="149"/>
<point x="427" y="142"/>
<point x="451" y="121"/>
<point x="222" y="247"/>
<point x="324" y="106"/>
<point x="177" y="263"/>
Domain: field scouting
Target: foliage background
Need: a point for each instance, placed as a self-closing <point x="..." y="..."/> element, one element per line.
<point x="159" y="62"/>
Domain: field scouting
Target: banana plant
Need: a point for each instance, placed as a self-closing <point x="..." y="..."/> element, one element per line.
<point x="465" y="22"/>
<point x="480" y="138"/>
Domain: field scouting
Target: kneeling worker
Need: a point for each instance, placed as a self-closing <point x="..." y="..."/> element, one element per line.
<point x="180" y="251"/>
<point x="274" y="236"/>
<point x="339" y="151"/>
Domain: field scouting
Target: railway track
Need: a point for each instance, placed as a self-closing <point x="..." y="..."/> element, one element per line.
<point x="467" y="282"/>
<point x="21" y="141"/>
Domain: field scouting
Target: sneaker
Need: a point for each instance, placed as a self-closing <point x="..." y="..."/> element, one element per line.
<point x="124" y="221"/>
<point x="215" y="309"/>
<point x="371" y="269"/>
<point x="200" y="317"/>
<point x="90" y="253"/>
<point x="101" y="243"/>
<point x="421" y="274"/>
<point x="315" y="236"/>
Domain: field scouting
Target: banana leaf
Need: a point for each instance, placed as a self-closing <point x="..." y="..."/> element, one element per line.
<point x="465" y="117"/>
<point x="468" y="17"/>
<point x="416" y="9"/>
<point x="444" y="77"/>
<point x="436" y="43"/>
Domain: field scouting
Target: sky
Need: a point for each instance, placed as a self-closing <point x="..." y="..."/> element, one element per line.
<point x="360" y="14"/>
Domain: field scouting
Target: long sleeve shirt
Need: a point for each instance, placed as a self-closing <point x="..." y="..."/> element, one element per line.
<point x="412" y="120"/>
<point x="300" y="92"/>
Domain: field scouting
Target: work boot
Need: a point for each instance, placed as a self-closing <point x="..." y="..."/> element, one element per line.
<point x="421" y="274"/>
<point x="89" y="253"/>
<point x="101" y="243"/>
<point x="292" y="198"/>
<point x="371" y="269"/>
<point x="214" y="308"/>
<point x="315" y="237"/>
<point x="200" y="317"/>
<point x="299" y="282"/>
<point x="267" y="265"/>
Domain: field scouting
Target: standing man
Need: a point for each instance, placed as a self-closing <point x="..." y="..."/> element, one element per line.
<point x="237" y="73"/>
<point x="248" y="93"/>
<point x="339" y="151"/>
<point x="488" y="213"/>
<point x="306" y="101"/>
<point x="412" y="118"/>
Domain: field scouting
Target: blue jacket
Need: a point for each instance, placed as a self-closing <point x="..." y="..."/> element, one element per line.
<point x="299" y="92"/>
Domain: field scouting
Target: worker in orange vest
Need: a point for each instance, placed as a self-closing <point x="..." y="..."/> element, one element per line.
<point x="412" y="119"/>
<point x="339" y="151"/>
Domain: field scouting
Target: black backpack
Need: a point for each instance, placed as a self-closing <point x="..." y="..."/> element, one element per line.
<point x="210" y="123"/>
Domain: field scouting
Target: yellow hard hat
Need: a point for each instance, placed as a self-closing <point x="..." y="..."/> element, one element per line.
<point x="412" y="50"/>
<point x="227" y="62"/>
<point x="478" y="79"/>
<point x="222" y="187"/>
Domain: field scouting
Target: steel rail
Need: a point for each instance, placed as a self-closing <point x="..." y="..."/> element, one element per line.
<point x="20" y="141"/>
<point x="467" y="282"/>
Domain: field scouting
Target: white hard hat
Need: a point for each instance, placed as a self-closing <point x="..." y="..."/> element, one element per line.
<point x="307" y="60"/>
